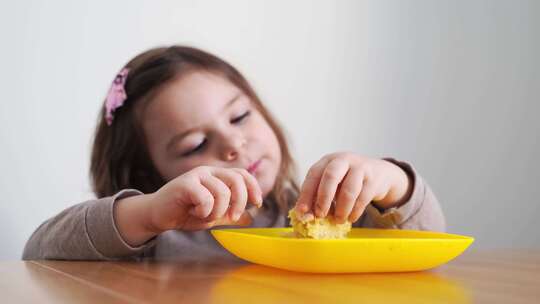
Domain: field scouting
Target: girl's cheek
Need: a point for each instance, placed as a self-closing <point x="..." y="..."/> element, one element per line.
<point x="190" y="164"/>
<point x="258" y="124"/>
<point x="179" y="168"/>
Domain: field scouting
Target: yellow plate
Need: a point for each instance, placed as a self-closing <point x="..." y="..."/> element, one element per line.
<point x="365" y="250"/>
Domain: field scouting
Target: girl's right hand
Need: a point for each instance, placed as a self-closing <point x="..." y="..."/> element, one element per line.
<point x="201" y="198"/>
<point x="197" y="200"/>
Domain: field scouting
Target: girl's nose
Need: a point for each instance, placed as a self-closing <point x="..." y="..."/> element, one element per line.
<point x="233" y="148"/>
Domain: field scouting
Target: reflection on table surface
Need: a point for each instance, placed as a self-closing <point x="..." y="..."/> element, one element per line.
<point x="268" y="285"/>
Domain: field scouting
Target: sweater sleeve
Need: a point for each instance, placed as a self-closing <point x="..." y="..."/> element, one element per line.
<point x="86" y="231"/>
<point x="421" y="212"/>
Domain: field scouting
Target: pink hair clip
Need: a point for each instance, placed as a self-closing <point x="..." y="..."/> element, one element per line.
<point x="116" y="96"/>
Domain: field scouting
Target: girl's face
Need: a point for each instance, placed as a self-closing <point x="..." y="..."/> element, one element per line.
<point x="203" y="119"/>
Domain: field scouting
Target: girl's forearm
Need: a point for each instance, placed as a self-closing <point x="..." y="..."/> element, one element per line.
<point x="131" y="217"/>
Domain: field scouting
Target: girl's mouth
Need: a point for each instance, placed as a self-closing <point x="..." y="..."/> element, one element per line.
<point x="253" y="167"/>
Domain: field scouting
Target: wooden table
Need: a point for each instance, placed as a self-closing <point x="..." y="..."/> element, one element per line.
<point x="494" y="276"/>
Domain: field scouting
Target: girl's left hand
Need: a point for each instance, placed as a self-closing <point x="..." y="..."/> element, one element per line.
<point x="352" y="181"/>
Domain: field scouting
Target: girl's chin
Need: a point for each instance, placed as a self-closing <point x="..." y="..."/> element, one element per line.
<point x="266" y="183"/>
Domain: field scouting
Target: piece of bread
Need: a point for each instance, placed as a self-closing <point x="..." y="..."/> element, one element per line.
<point x="308" y="226"/>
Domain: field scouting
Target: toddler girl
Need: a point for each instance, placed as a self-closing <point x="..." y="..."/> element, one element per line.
<point x="184" y="144"/>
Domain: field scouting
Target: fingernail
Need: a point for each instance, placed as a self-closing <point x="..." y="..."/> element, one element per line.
<point x="306" y="217"/>
<point x="236" y="216"/>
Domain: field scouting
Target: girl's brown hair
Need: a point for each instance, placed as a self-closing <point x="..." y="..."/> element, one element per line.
<point x="120" y="158"/>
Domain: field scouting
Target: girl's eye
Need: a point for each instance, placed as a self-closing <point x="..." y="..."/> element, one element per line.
<point x="240" y="118"/>
<point x="197" y="149"/>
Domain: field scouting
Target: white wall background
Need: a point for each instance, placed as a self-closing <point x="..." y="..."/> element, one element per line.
<point x="451" y="86"/>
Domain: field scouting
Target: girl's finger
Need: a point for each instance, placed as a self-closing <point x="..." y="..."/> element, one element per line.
<point x="253" y="187"/>
<point x="366" y="196"/>
<point x="221" y="194"/>
<point x="333" y="174"/>
<point x="236" y="183"/>
<point x="309" y="187"/>
<point x="348" y="193"/>
<point x="245" y="220"/>
<point x="202" y="201"/>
